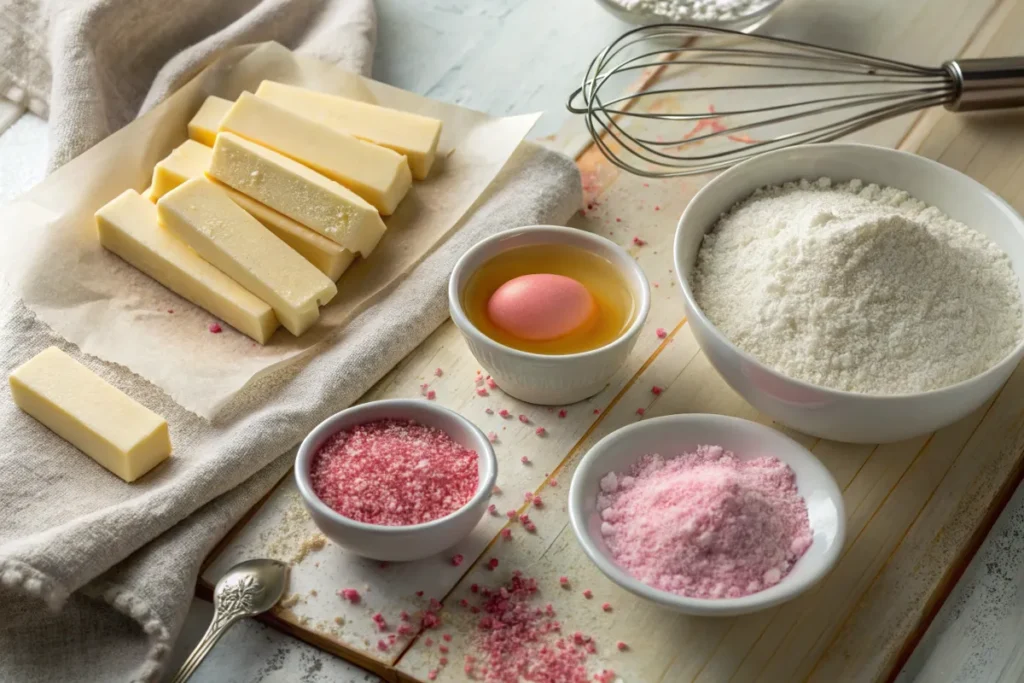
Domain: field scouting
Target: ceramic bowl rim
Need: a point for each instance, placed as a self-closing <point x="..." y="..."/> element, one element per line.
<point x="707" y="606"/>
<point x="327" y="428"/>
<point x="463" y="322"/>
<point x="1011" y="359"/>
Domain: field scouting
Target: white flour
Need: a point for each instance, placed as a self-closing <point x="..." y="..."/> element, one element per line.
<point x="859" y="288"/>
<point x="702" y="11"/>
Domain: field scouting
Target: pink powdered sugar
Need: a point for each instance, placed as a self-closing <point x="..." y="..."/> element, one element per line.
<point x="705" y="524"/>
<point x="394" y="473"/>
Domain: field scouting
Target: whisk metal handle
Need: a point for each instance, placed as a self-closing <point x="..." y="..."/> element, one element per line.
<point x="987" y="83"/>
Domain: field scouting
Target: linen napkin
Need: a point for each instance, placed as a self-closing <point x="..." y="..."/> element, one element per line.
<point x="96" y="575"/>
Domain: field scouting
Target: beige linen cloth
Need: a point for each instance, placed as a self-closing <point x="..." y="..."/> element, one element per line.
<point x="96" y="575"/>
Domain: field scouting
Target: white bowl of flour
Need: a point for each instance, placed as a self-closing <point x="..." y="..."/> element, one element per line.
<point x="852" y="292"/>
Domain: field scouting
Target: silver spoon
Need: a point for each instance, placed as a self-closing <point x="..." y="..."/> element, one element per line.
<point x="247" y="589"/>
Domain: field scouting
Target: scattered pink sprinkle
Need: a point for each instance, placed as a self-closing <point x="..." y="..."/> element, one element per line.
<point x="562" y="413"/>
<point x="491" y="384"/>
<point x="597" y="411"/>
<point x="488" y="411"/>
<point x="607" y="607"/>
<point x="525" y="420"/>
<point x="735" y="529"/>
<point x="639" y="242"/>
<point x="587" y="593"/>
<point x="442" y="661"/>
<point x="438" y="372"/>
<point x="378" y="619"/>
<point x="524" y="518"/>
<point x="381" y="645"/>
<point x="554" y="482"/>
<point x="430" y="620"/>
<point x="656" y="390"/>
<point x="621" y="646"/>
<point x="540" y="431"/>
<point x="618" y="220"/>
<point x="431" y="395"/>
<point x="428" y="641"/>
<point x="564" y="580"/>
<point x="350" y="594"/>
<point x="170" y="310"/>
<point x="215" y="328"/>
<point x="492" y="437"/>
<point x="530" y="526"/>
<point x="474" y="588"/>
<point x="394" y="473"/>
<point x="605" y="675"/>
<point x="641" y="411"/>
<point x="661" y="333"/>
<point x="496" y="490"/>
<point x="657" y="208"/>
<point x="457" y="560"/>
<point x="403" y="615"/>
<point x="463" y="602"/>
<point x="525" y="460"/>
<point x="504" y="412"/>
<point x="511" y="514"/>
<point x="492" y="508"/>
<point x="506" y="533"/>
<point x="447" y="637"/>
<point x="419" y="594"/>
<point x="423" y="388"/>
<point x="537" y="502"/>
<point x="435" y="605"/>
<point x="493" y="563"/>
<point x="481" y="392"/>
<point x="432" y="674"/>
<point x="443" y="648"/>
<point x="404" y="630"/>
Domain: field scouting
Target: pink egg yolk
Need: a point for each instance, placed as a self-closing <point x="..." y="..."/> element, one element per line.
<point x="541" y="307"/>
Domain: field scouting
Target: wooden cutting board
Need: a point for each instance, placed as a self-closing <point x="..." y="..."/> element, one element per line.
<point x="917" y="510"/>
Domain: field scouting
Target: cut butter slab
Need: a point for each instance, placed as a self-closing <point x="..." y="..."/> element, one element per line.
<point x="191" y="160"/>
<point x="377" y="174"/>
<point x="129" y="227"/>
<point x="188" y="160"/>
<point x="413" y="135"/>
<point x="117" y="432"/>
<point x="205" y="218"/>
<point x="203" y="126"/>
<point x="298" y="192"/>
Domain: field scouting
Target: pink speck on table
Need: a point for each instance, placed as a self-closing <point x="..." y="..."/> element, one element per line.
<point x="431" y="395"/>
<point x="641" y="411"/>
<point x="525" y="420"/>
<point x="587" y="593"/>
<point x="438" y="372"/>
<point x="722" y="526"/>
<point x="492" y="437"/>
<point x="350" y="594"/>
<point x="540" y="431"/>
<point x="639" y="242"/>
<point x="457" y="560"/>
<point x="394" y="473"/>
<point x="215" y="328"/>
<point x="562" y="413"/>
<point x="481" y="392"/>
<point x="504" y="412"/>
<point x="656" y="390"/>
<point x="525" y="460"/>
<point x="661" y="333"/>
<point x="506" y="533"/>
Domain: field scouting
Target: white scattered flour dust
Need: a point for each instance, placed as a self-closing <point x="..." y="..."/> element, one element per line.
<point x="858" y="287"/>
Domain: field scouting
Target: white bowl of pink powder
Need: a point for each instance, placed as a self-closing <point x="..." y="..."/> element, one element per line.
<point x="707" y="514"/>
<point x="396" y="480"/>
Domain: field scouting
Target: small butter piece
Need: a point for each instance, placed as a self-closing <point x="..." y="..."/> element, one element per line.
<point x="298" y="192"/>
<point x="413" y="135"/>
<point x="147" y="194"/>
<point x="128" y="226"/>
<point x="203" y="126"/>
<point x="377" y="174"/>
<point x="191" y="160"/>
<point x="205" y="218"/>
<point x="188" y="160"/>
<point x="117" y="432"/>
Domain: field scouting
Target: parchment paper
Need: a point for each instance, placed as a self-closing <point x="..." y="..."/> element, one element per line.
<point x="110" y="310"/>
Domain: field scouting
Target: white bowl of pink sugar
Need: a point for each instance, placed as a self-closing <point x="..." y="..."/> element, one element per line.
<point x="707" y="514"/>
<point x="396" y="480"/>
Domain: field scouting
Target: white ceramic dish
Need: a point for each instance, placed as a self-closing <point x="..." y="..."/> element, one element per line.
<point x="398" y="543"/>
<point x="674" y="434"/>
<point x="533" y="377"/>
<point x="747" y="23"/>
<point x="828" y="413"/>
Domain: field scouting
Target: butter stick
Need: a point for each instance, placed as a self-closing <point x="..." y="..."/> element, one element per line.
<point x="191" y="160"/>
<point x="413" y="135"/>
<point x="119" y="433"/>
<point x="379" y="175"/>
<point x="128" y="226"/>
<point x="203" y="126"/>
<point x="298" y="192"/>
<point x="204" y="217"/>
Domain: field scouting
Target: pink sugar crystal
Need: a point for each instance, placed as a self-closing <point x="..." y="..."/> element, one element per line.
<point x="562" y="413"/>
<point x="492" y="563"/>
<point x="540" y="431"/>
<point x="607" y="607"/>
<point x="481" y="392"/>
<point x="350" y="594"/>
<point x="587" y="593"/>
<point x="506" y="533"/>
<point x="492" y="437"/>
<point x="639" y="242"/>
<point x="394" y="473"/>
<point x="438" y="372"/>
<point x="431" y="395"/>
<point x="564" y="580"/>
<point x="656" y="390"/>
<point x="661" y="333"/>
<point x="537" y="502"/>
<point x="215" y="328"/>
<point x="489" y="411"/>
<point x="525" y="420"/>
<point x="492" y="508"/>
<point x="525" y="460"/>
<point x="457" y="560"/>
<point x="491" y="384"/>
<point x="621" y="646"/>
<point x="447" y="637"/>
<point x="504" y="412"/>
<point x="722" y="527"/>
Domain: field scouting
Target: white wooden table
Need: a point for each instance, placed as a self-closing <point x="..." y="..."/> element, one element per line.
<point x="514" y="56"/>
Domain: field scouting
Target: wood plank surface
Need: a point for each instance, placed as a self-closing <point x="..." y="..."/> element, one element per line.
<point x="916" y="509"/>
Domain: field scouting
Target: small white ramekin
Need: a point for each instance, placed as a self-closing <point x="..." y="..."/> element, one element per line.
<point x="398" y="543"/>
<point x="538" y="378"/>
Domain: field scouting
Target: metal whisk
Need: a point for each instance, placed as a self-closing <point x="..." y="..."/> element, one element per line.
<point x="720" y="96"/>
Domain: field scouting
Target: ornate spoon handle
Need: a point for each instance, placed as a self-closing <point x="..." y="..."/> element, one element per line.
<point x="223" y="619"/>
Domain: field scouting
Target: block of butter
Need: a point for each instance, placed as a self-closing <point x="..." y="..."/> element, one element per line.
<point x="298" y="192"/>
<point x="203" y="126"/>
<point x="191" y="160"/>
<point x="377" y="174"/>
<point x="121" y="434"/>
<point x="129" y="227"/>
<point x="413" y="135"/>
<point x="188" y="160"/>
<point x="204" y="217"/>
